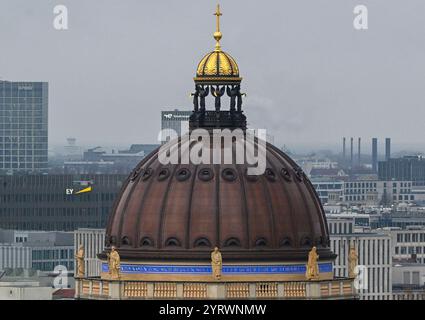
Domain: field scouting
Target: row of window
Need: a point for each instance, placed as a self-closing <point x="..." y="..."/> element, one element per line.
<point x="52" y="254"/>
<point x="410" y="237"/>
<point x="409" y="250"/>
<point x="55" y="197"/>
<point x="53" y="225"/>
<point x="53" y="212"/>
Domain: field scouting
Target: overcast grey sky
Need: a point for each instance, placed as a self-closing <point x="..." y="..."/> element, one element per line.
<point x="311" y="78"/>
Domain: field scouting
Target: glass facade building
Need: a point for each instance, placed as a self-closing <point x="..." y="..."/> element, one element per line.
<point x="23" y="126"/>
<point x="176" y="120"/>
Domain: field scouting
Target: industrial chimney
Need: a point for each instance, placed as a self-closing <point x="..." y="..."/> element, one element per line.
<point x="375" y="154"/>
<point x="387" y="148"/>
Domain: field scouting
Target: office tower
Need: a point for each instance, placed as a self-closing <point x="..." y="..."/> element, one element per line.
<point x="57" y="202"/>
<point x="375" y="154"/>
<point x="174" y="120"/>
<point x="387" y="148"/>
<point x="23" y="126"/>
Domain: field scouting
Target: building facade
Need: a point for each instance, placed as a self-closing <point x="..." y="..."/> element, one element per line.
<point x="408" y="281"/>
<point x="408" y="244"/>
<point x="408" y="168"/>
<point x="93" y="241"/>
<point x="374" y="253"/>
<point x="36" y="250"/>
<point x="57" y="202"/>
<point x="23" y="126"/>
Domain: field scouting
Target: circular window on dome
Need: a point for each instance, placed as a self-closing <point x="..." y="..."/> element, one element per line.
<point x="125" y="241"/>
<point x="299" y="173"/>
<point x="183" y="174"/>
<point x="202" y="242"/>
<point x="228" y="174"/>
<point x="261" y="242"/>
<point x="113" y="240"/>
<point x="172" y="242"/>
<point x="205" y="174"/>
<point x="232" y="242"/>
<point x="285" y="174"/>
<point x="306" y="242"/>
<point x="135" y="174"/>
<point x="270" y="174"/>
<point x="147" y="174"/>
<point x="163" y="174"/>
<point x="285" y="242"/>
<point x="146" y="242"/>
<point x="250" y="177"/>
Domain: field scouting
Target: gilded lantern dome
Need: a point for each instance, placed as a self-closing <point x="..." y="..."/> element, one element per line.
<point x="217" y="66"/>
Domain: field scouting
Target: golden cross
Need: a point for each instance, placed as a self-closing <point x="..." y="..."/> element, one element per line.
<point x="218" y="14"/>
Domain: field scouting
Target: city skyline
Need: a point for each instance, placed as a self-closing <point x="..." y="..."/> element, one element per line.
<point x="99" y="70"/>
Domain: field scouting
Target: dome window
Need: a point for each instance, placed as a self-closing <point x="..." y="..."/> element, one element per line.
<point x="285" y="174"/>
<point x="206" y="174"/>
<point x="163" y="174"/>
<point x="261" y="242"/>
<point x="229" y="174"/>
<point x="125" y="241"/>
<point x="113" y="240"/>
<point x="146" y="174"/>
<point x="202" y="242"/>
<point x="172" y="242"/>
<point x="135" y="174"/>
<point x="232" y="242"/>
<point x="306" y="242"/>
<point x="146" y="242"/>
<point x="270" y="175"/>
<point x="285" y="242"/>
<point x="183" y="174"/>
<point x="299" y="173"/>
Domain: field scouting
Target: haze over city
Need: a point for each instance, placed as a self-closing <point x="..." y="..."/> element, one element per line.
<point x="310" y="77"/>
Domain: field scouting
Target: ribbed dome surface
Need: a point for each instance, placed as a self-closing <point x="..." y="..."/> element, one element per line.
<point x="217" y="63"/>
<point x="183" y="211"/>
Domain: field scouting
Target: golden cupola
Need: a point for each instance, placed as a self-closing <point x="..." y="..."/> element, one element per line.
<point x="217" y="66"/>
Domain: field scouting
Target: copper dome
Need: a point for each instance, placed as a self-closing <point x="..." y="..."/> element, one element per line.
<point x="180" y="212"/>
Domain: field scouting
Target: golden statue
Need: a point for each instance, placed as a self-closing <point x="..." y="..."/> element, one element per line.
<point x="79" y="257"/>
<point x="352" y="262"/>
<point x="216" y="263"/>
<point x="312" y="268"/>
<point x="114" y="263"/>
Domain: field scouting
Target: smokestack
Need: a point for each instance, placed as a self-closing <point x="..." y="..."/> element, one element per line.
<point x="343" y="149"/>
<point x="375" y="154"/>
<point x="351" y="154"/>
<point x="387" y="148"/>
<point x="359" y="146"/>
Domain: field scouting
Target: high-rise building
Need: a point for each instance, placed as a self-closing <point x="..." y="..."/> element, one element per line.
<point x="23" y="126"/>
<point x="375" y="154"/>
<point x="174" y="120"/>
<point x="387" y="148"/>
<point x="57" y="202"/>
